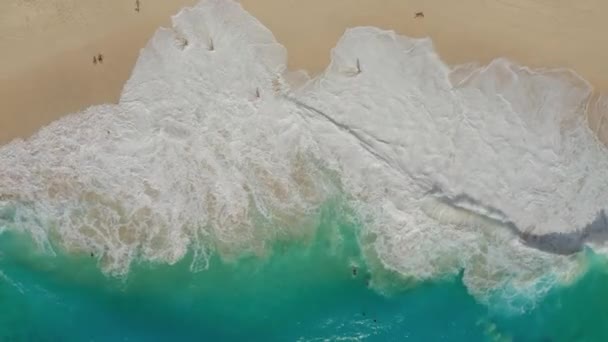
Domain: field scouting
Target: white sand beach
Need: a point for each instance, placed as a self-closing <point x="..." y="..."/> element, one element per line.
<point x="47" y="65"/>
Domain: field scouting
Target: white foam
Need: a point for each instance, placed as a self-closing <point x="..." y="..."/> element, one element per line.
<point x="211" y="149"/>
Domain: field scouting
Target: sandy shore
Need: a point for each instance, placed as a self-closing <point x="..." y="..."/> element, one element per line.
<point x="40" y="81"/>
<point x="47" y="49"/>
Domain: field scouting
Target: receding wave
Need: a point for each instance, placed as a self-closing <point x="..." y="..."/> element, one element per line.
<point x="213" y="148"/>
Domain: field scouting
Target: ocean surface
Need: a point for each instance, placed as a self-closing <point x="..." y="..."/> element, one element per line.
<point x="390" y="198"/>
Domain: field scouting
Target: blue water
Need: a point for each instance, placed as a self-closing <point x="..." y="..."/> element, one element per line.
<point x="303" y="290"/>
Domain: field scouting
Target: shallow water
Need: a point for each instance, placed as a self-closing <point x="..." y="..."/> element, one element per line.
<point x="218" y="200"/>
<point x="303" y="291"/>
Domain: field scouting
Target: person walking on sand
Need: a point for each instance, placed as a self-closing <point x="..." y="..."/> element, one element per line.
<point x="94" y="59"/>
<point x="100" y="58"/>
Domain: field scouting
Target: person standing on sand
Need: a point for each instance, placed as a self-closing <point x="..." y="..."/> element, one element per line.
<point x="94" y="59"/>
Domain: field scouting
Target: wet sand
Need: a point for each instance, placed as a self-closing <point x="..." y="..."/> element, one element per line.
<point x="39" y="83"/>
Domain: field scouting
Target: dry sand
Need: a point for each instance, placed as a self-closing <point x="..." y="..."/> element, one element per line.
<point x="46" y="65"/>
<point x="48" y="46"/>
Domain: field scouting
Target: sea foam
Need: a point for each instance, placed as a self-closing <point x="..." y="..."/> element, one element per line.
<point x="492" y="170"/>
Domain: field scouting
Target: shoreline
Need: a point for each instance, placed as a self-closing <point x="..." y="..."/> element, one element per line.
<point x="64" y="80"/>
<point x="523" y="31"/>
<point x="49" y="82"/>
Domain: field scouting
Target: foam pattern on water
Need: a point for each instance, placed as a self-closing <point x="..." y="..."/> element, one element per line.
<point x="211" y="149"/>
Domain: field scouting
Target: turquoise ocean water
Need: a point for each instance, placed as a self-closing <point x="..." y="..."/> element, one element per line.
<point x="302" y="290"/>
